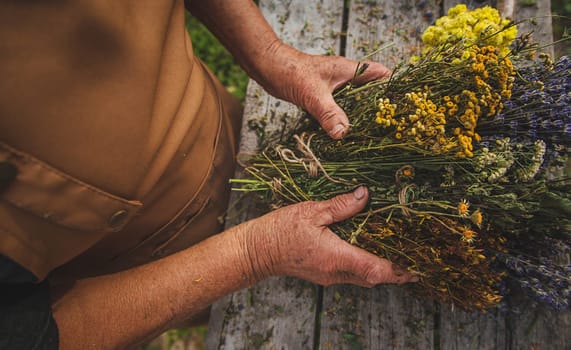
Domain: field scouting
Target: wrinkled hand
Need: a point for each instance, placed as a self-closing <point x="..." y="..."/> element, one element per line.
<point x="308" y="81"/>
<point x="295" y="241"/>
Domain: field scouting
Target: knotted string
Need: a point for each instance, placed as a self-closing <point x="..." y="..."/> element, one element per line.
<point x="310" y="162"/>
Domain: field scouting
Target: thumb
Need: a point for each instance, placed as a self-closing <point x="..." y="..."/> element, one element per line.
<point x="341" y="207"/>
<point x="329" y="115"/>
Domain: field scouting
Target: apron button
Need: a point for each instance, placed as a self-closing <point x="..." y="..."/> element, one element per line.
<point x="8" y="172"/>
<point x="117" y="219"/>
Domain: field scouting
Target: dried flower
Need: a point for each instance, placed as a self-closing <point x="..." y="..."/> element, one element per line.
<point x="463" y="208"/>
<point x="459" y="134"/>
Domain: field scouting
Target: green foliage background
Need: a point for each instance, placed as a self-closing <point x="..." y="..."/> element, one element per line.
<point x="217" y="58"/>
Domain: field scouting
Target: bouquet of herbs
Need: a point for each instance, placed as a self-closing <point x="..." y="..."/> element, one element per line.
<point x="466" y="157"/>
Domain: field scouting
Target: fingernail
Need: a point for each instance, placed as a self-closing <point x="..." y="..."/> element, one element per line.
<point x="338" y="130"/>
<point x="360" y="192"/>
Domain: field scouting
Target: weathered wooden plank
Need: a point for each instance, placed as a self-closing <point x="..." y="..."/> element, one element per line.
<point x="534" y="17"/>
<point x="380" y="318"/>
<point x="385" y="316"/>
<point x="374" y="24"/>
<point x="471" y="331"/>
<point x="528" y="328"/>
<point x="534" y="328"/>
<point x="279" y="313"/>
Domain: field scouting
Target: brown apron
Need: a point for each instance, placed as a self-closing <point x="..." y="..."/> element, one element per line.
<point x="122" y="141"/>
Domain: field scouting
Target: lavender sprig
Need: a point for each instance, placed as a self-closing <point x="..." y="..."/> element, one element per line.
<point x="540" y="106"/>
<point x="540" y="278"/>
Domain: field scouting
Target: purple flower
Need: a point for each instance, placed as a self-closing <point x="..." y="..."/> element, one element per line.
<point x="540" y="106"/>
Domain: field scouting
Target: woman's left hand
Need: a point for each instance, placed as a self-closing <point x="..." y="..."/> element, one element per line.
<point x="309" y="81"/>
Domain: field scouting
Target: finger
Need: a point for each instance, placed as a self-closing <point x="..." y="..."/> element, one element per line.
<point x="323" y="107"/>
<point x="341" y="207"/>
<point x="329" y="115"/>
<point x="374" y="70"/>
<point x="358" y="73"/>
<point x="371" y="269"/>
<point x="346" y="277"/>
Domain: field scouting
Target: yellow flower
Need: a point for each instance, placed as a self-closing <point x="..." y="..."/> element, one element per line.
<point x="463" y="208"/>
<point x="456" y="10"/>
<point x="466" y="55"/>
<point x="477" y="218"/>
<point x="481" y="24"/>
<point x="407" y="172"/>
<point x="468" y="235"/>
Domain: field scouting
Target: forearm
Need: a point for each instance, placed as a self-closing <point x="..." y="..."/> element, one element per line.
<point x="121" y="310"/>
<point x="241" y="28"/>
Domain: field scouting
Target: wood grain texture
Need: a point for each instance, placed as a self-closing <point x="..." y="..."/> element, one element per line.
<point x="471" y="331"/>
<point x="374" y="24"/>
<point x="380" y="318"/>
<point x="538" y="328"/>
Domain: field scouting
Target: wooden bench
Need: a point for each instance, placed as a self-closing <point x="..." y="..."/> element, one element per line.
<point x="287" y="313"/>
